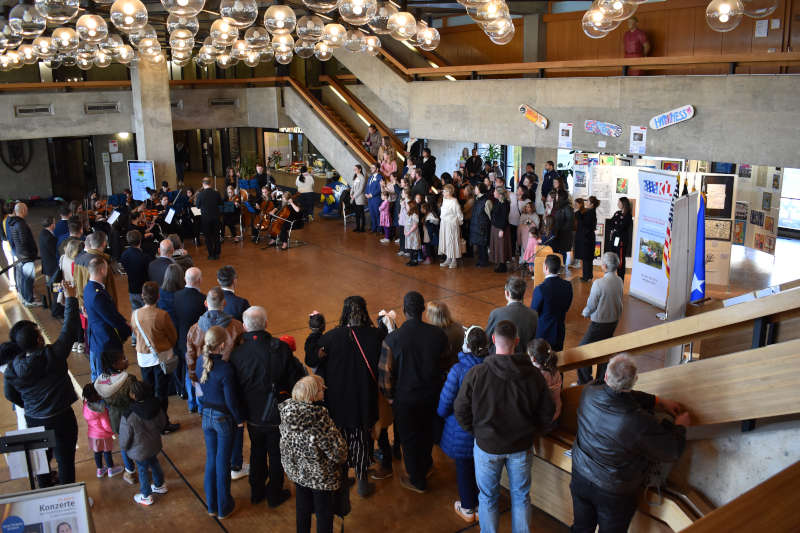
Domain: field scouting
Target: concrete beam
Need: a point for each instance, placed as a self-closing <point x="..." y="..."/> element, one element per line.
<point x="379" y="77"/>
<point x="152" y="118"/>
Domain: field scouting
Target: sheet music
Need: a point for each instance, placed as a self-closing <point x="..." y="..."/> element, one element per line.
<point x="17" y="466"/>
<point x="196" y="211"/>
<point x="170" y="216"/>
<point x="113" y="218"/>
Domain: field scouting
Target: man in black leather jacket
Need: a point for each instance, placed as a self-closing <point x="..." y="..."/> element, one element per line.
<point x="618" y="438"/>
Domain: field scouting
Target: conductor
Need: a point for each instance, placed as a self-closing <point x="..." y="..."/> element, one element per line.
<point x="208" y="201"/>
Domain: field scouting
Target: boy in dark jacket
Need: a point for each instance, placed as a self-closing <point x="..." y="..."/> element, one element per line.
<point x="140" y="435"/>
<point x="505" y="403"/>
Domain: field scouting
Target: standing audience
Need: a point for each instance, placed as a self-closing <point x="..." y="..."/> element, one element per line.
<point x="48" y="251"/>
<point x="552" y="299"/>
<point x="190" y="304"/>
<point x="524" y="318"/>
<point x="228" y="280"/>
<point x="106" y="328"/>
<point x="25" y="251"/>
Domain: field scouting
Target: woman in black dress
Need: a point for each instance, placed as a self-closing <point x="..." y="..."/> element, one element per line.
<point x="621" y="225"/>
<point x="563" y="225"/>
<point x="584" y="236"/>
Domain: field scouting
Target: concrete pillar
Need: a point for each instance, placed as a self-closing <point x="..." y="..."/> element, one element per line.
<point x="533" y="43"/>
<point x="152" y="119"/>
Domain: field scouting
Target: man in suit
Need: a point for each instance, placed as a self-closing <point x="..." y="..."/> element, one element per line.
<point x="473" y="167"/>
<point x="190" y="304"/>
<point x="234" y="305"/>
<point x="48" y="251"/>
<point x="428" y="166"/>
<point x="24" y="246"/>
<point x="420" y="186"/>
<point x="74" y="231"/>
<point x="411" y="371"/>
<point x="62" y="226"/>
<point x="158" y="266"/>
<point x="547" y="180"/>
<point x="523" y="317"/>
<point x="107" y="329"/>
<point x="209" y="201"/>
<point x="551" y="299"/>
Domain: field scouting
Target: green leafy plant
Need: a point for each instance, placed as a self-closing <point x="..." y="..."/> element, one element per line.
<point x="491" y="153"/>
<point x="248" y="166"/>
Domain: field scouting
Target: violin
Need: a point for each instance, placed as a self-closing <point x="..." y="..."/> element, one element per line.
<point x="266" y="208"/>
<point x="279" y="218"/>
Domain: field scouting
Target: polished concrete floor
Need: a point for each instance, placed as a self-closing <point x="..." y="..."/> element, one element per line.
<point x="331" y="265"/>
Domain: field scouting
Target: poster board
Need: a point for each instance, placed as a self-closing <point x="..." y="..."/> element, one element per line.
<point x="758" y="194"/>
<point x="721" y="201"/>
<point x="649" y="280"/>
<point x="141" y="175"/>
<point x="684" y="234"/>
<point x="609" y="183"/>
<point x="43" y="510"/>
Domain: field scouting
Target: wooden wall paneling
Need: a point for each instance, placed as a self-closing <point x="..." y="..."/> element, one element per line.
<point x="680" y="27"/>
<point x="739" y="40"/>
<point x="469" y="45"/>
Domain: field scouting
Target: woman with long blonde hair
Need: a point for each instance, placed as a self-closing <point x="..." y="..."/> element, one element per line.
<point x="221" y="415"/>
<point x="439" y="315"/>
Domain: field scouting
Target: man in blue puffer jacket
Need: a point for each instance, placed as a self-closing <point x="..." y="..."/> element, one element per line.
<point x="456" y="442"/>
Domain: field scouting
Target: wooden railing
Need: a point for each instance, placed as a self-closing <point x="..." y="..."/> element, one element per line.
<point x="65" y="85"/>
<point x="267" y="81"/>
<point x="359" y="107"/>
<point x="774" y="308"/>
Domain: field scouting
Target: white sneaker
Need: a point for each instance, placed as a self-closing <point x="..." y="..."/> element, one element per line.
<point x="445" y="264"/>
<point x="159" y="490"/>
<point x="384" y="241"/>
<point x="239" y="474"/>
<point x="141" y="499"/>
<point x="397" y="241"/>
<point x="400" y="252"/>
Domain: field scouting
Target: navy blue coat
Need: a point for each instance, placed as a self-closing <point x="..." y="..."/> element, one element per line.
<point x="235" y="305"/>
<point x="189" y="307"/>
<point x="551" y="299"/>
<point x="106" y="327"/>
<point x="456" y="442"/>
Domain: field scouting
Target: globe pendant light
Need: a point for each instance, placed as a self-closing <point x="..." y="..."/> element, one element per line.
<point x="381" y="18"/>
<point x="224" y="31"/>
<point x="146" y="32"/>
<point x="92" y="28"/>
<point x="128" y="15"/>
<point x="357" y="12"/>
<point x="428" y="39"/>
<point x="44" y="47"/>
<point x="180" y="55"/>
<point x="490" y="11"/>
<point x="354" y="40"/>
<point x="402" y="25"/>
<point x="69" y="59"/>
<point x="187" y="8"/>
<point x="610" y="8"/>
<point x="124" y="54"/>
<point x="310" y="28"/>
<point x="257" y="37"/>
<point x="323" y="51"/>
<point x="334" y="34"/>
<point x="181" y="39"/>
<point x="85" y="63"/>
<point x="149" y="47"/>
<point x="5" y="63"/>
<point x="53" y="63"/>
<point x="252" y="59"/>
<point x="279" y="18"/>
<point x="28" y="54"/>
<point x="182" y="22"/>
<point x="11" y="39"/>
<point x="724" y="15"/>
<point x="65" y="39"/>
<point x="217" y="48"/>
<point x="156" y="59"/>
<point x="372" y="45"/>
<point x="504" y="38"/>
<point x="284" y="57"/>
<point x="57" y="11"/>
<point x="759" y="8"/>
<point x="590" y="29"/>
<point x="320" y="6"/>
<point x="101" y="59"/>
<point x="498" y="27"/>
<point x="267" y="54"/>
<point x="243" y="13"/>
<point x="239" y="49"/>
<point x="281" y="42"/>
<point x="26" y="20"/>
<point x="225" y="61"/>
<point x="110" y="45"/>
<point x="304" y="48"/>
<point x="599" y="20"/>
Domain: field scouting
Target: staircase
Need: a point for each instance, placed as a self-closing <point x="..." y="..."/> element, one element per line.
<point x="342" y="123"/>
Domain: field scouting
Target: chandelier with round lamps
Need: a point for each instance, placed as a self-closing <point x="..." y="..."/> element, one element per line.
<point x="123" y="32"/>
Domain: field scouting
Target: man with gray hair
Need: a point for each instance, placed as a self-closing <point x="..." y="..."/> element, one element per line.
<point x="604" y="308"/>
<point x="265" y="371"/>
<point x="618" y="438"/>
<point x="23" y="245"/>
<point x="190" y="304"/>
<point x="522" y="316"/>
<point x="95" y="247"/>
<point x="158" y="266"/>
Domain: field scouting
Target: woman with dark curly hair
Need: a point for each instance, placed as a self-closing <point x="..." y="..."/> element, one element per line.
<point x="348" y="361"/>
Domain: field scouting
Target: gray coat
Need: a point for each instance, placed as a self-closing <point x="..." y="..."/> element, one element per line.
<point x="357" y="194"/>
<point x="522" y="316"/>
<point x="140" y="430"/>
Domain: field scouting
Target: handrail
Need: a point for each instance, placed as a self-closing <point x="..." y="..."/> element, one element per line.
<point x="359" y="106"/>
<point x="51" y="85"/>
<point x="354" y="144"/>
<point x="264" y="80"/>
<point x="782" y="306"/>
<point x="770" y="506"/>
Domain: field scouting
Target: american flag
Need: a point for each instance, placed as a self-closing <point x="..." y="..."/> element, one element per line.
<point x="668" y="238"/>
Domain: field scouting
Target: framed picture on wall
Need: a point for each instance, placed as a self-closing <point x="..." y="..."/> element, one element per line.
<point x="718" y="230"/>
<point x="741" y="211"/>
<point x="744" y="171"/>
<point x="766" y="201"/>
<point x="769" y="224"/>
<point x="756" y="218"/>
<point x="719" y="196"/>
<point x="672" y="166"/>
<point x="739" y="231"/>
<point x="776" y="181"/>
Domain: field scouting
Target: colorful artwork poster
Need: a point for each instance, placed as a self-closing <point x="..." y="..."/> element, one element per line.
<point x="598" y="248"/>
<point x="757" y="218"/>
<point x="672" y="166"/>
<point x="769" y="244"/>
<point x="769" y="224"/>
<point x="581" y="159"/>
<point x="580" y="178"/>
<point x="744" y="171"/>
<point x="718" y="230"/>
<point x="622" y="185"/>
<point x="739" y="232"/>
<point x="741" y="211"/>
<point x="766" y="201"/>
<point x="608" y="160"/>
<point x="776" y="181"/>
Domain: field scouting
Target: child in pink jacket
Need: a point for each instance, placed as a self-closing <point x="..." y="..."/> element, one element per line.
<point x="100" y="434"/>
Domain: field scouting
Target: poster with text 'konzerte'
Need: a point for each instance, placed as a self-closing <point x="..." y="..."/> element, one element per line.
<point x="60" y="509"/>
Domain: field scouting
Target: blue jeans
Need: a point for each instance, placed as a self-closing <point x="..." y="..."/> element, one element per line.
<point x="145" y="467"/>
<point x="467" y="486"/>
<point x="95" y="362"/>
<point x="127" y="461"/>
<point x="219" y="430"/>
<point x="191" y="396"/>
<point x="488" y="468"/>
<point x="25" y="274"/>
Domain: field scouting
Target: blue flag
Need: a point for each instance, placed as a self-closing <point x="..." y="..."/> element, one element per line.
<point x="699" y="277"/>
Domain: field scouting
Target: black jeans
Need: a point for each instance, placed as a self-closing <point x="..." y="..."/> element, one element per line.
<point x="265" y="441"/>
<point x="385" y="448"/>
<point x="319" y="502"/>
<point x="597" y="332"/>
<point x="359" y="211"/>
<point x="587" y="264"/>
<point x="483" y="255"/>
<point x="415" y="425"/>
<point x="155" y="377"/>
<point x="592" y="506"/>
<point x="65" y="427"/>
<point x="211" y="232"/>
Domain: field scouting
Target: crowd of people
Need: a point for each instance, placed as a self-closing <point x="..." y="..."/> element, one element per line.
<point x="471" y="212"/>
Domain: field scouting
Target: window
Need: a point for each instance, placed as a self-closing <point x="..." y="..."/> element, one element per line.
<point x="789" y="216"/>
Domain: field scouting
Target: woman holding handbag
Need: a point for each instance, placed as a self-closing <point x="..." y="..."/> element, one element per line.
<point x="348" y="362"/>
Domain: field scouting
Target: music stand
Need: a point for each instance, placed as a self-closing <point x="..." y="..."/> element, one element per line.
<point x="27" y="442"/>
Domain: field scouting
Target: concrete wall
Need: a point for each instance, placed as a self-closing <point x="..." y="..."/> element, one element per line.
<point x="68" y="118"/>
<point x="740" y="119"/>
<point x="379" y="77"/>
<point x="447" y="153"/>
<point x="118" y="170"/>
<point x="393" y="117"/>
<point x="326" y="141"/>
<point x="35" y="180"/>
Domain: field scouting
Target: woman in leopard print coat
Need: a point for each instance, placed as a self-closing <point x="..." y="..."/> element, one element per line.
<point x="312" y="452"/>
